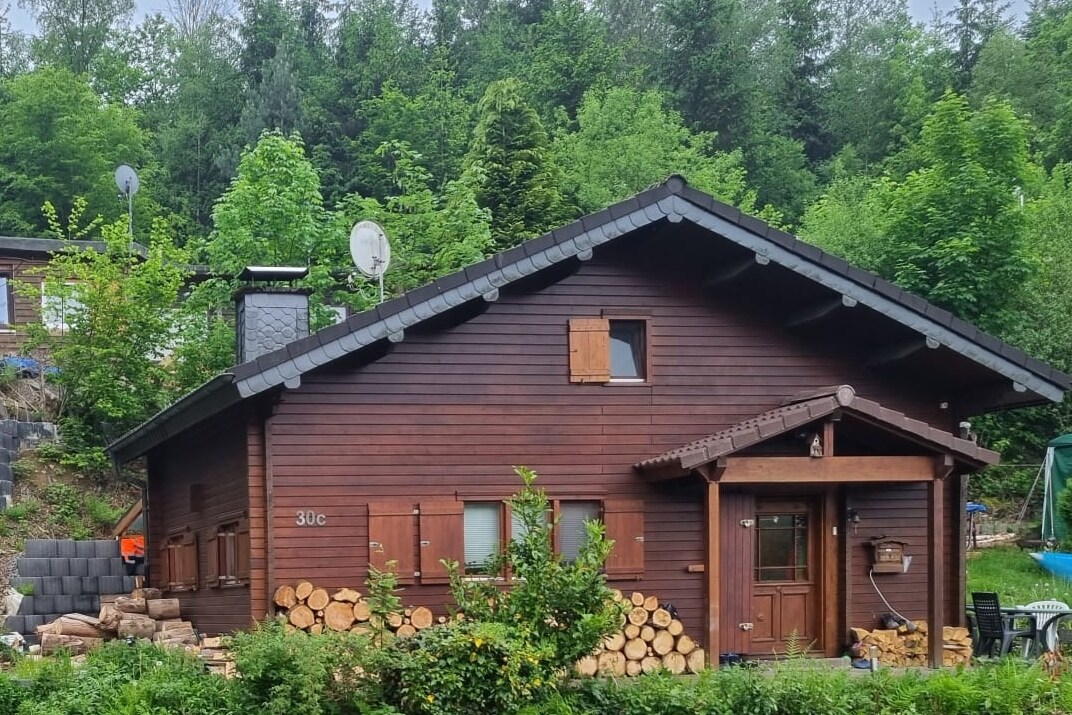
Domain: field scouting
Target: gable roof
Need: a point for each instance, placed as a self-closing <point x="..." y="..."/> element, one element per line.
<point x="807" y="408"/>
<point x="671" y="200"/>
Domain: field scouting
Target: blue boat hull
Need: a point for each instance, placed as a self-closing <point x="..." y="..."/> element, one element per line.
<point x="1059" y="563"/>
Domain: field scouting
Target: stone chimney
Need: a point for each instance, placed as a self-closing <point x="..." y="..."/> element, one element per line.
<point x="267" y="316"/>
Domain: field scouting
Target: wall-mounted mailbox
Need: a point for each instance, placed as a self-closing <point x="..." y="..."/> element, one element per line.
<point x="888" y="555"/>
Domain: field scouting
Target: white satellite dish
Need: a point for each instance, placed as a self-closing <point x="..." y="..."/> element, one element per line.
<point x="370" y="250"/>
<point x="127" y="180"/>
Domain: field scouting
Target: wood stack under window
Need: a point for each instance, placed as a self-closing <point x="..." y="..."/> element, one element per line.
<point x="313" y="610"/>
<point x="651" y="639"/>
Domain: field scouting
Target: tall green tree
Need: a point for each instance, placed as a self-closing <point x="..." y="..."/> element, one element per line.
<point x="969" y="26"/>
<point x="74" y="31"/>
<point x="119" y="310"/>
<point x="272" y="214"/>
<point x="953" y="230"/>
<point x="58" y="140"/>
<point x="628" y="140"/>
<point x="510" y="170"/>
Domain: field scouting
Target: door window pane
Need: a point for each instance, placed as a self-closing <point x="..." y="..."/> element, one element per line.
<point x="571" y="532"/>
<point x="481" y="534"/>
<point x="782" y="547"/>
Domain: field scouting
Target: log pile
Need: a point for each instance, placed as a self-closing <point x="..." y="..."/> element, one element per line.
<point x="651" y="639"/>
<point x="907" y="647"/>
<point x="314" y="610"/>
<point x="145" y="614"/>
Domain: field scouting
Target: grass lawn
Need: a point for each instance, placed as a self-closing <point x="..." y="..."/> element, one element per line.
<point x="1015" y="577"/>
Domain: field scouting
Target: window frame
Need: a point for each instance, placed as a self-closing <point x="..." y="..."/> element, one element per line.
<point x="8" y="273"/>
<point x="174" y="554"/>
<point x="228" y="550"/>
<point x="506" y="520"/>
<point x="645" y="346"/>
<point x="63" y="327"/>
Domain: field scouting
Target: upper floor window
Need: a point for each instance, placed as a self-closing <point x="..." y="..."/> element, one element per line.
<point x="628" y="344"/>
<point x="608" y="350"/>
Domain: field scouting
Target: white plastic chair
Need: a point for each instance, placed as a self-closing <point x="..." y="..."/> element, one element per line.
<point x="1043" y="611"/>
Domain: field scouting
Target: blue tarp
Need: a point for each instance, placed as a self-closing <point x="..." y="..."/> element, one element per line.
<point x="975" y="507"/>
<point x="27" y="366"/>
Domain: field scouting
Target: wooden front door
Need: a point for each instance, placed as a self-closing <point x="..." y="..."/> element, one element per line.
<point x="786" y="576"/>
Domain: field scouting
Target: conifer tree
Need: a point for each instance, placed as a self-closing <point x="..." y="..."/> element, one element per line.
<point x="510" y="170"/>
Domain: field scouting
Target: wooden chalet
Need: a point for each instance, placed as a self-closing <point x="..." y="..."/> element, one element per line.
<point x="745" y="412"/>
<point x="21" y="262"/>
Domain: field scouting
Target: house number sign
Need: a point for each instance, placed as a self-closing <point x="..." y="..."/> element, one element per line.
<point x="311" y="518"/>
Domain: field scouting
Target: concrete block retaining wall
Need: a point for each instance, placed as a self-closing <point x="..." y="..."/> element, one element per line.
<point x="65" y="576"/>
<point x="13" y="436"/>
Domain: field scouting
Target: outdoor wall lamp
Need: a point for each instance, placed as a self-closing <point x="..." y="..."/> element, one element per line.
<point x="853" y="517"/>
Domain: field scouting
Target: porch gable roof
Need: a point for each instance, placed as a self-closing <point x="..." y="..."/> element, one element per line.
<point x="807" y="407"/>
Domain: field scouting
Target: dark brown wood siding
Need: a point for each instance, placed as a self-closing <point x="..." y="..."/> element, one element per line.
<point x="214" y="457"/>
<point x="24" y="308"/>
<point x="447" y="412"/>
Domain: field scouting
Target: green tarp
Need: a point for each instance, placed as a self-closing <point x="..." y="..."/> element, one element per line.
<point x="1058" y="470"/>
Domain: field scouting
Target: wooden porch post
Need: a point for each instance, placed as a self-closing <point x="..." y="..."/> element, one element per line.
<point x="713" y="569"/>
<point x="936" y="575"/>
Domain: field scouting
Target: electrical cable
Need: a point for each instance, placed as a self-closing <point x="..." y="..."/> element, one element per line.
<point x="871" y="575"/>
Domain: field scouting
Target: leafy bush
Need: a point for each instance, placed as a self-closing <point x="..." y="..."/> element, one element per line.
<point x="284" y="673"/>
<point x="563" y="605"/>
<point x="100" y="512"/>
<point x="465" y="667"/>
<point x="120" y="678"/>
<point x="23" y="510"/>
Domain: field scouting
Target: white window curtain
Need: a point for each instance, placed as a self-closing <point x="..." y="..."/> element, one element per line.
<point x="571" y="531"/>
<point x="482" y="529"/>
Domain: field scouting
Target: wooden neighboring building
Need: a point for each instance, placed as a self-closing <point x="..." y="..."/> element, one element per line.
<point x="21" y="262"/>
<point x="669" y="364"/>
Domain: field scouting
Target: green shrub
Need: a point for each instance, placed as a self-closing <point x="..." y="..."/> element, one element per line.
<point x="465" y="667"/>
<point x="120" y="678"/>
<point x="100" y="512"/>
<point x="25" y="588"/>
<point x="21" y="468"/>
<point x="563" y="605"/>
<point x="64" y="502"/>
<point x="22" y="511"/>
<point x="285" y="673"/>
<point x="12" y="694"/>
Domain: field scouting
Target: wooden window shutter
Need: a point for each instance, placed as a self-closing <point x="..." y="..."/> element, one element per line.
<point x="188" y="561"/>
<point x="164" y="571"/>
<point x="442" y="532"/>
<point x="212" y="555"/>
<point x="242" y="550"/>
<point x="624" y="521"/>
<point x="392" y="537"/>
<point x="589" y="350"/>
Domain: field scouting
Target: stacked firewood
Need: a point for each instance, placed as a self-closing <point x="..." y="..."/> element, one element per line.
<point x="312" y="609"/>
<point x="144" y="614"/>
<point x="907" y="646"/>
<point x="651" y="639"/>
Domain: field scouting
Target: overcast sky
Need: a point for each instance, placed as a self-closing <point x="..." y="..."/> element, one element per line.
<point x="922" y="10"/>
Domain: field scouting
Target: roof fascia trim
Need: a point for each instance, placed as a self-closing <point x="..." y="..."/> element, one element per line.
<point x="471" y="290"/>
<point x="867" y="296"/>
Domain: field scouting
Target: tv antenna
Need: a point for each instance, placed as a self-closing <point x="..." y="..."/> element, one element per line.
<point x="371" y="250"/>
<point x="127" y="181"/>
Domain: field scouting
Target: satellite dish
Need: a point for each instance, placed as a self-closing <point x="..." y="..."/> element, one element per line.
<point x="370" y="249"/>
<point x="127" y="180"/>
